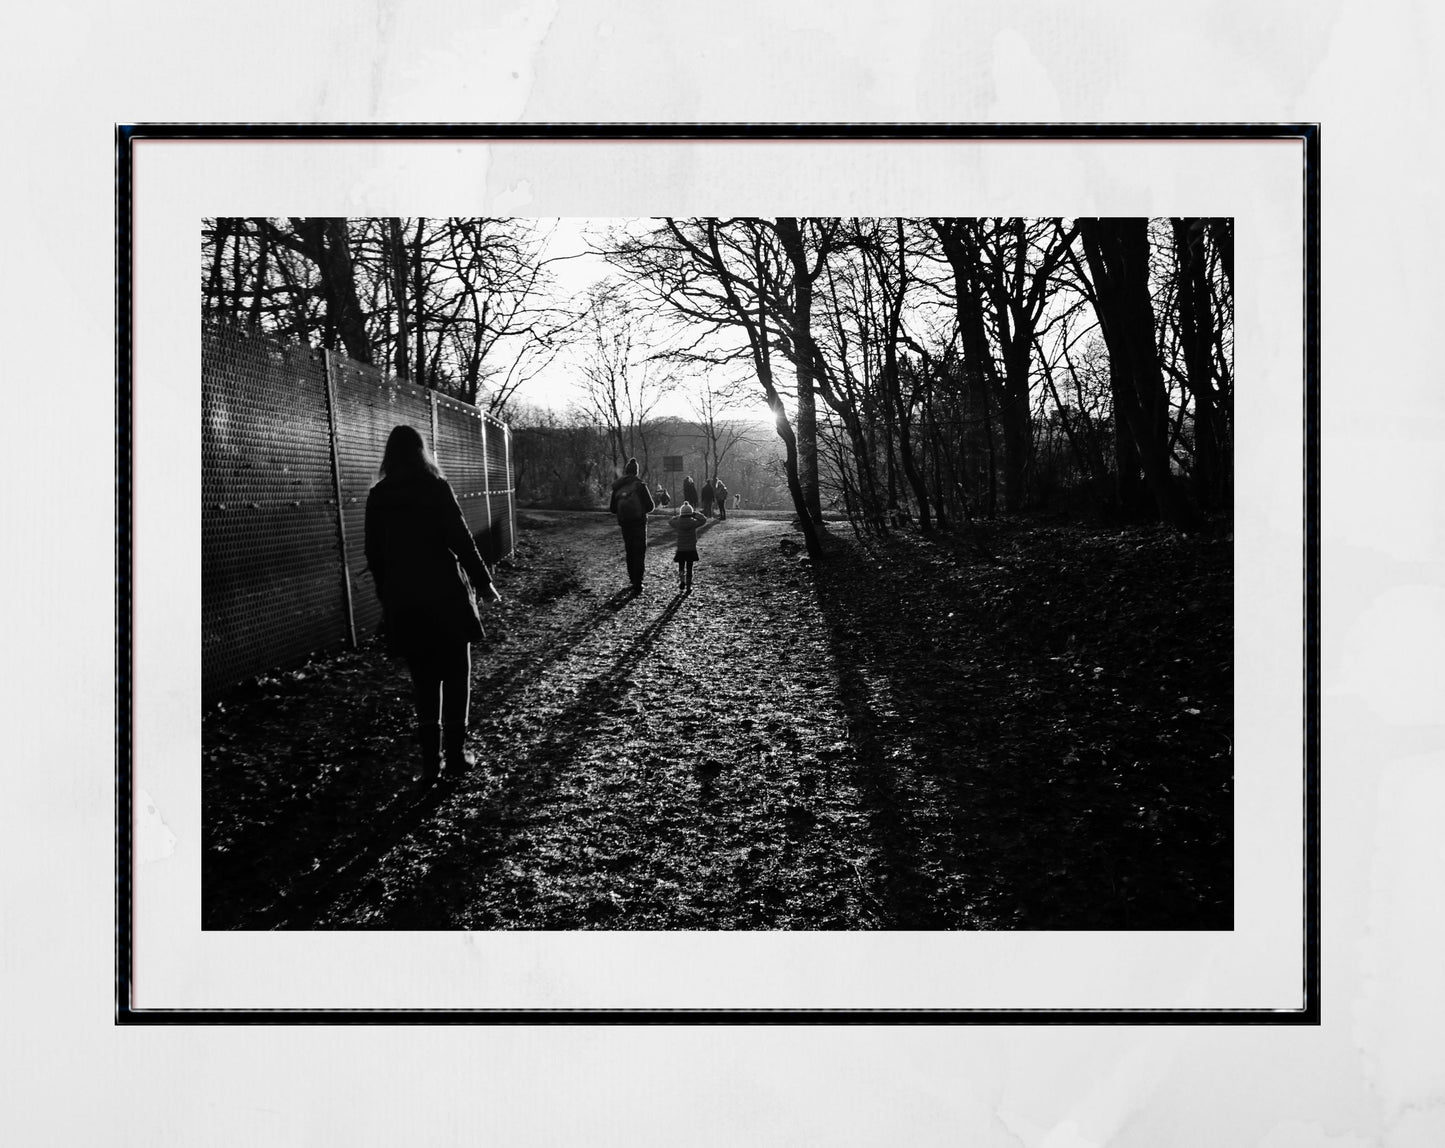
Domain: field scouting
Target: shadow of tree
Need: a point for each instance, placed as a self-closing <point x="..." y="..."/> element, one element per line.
<point x="1002" y="792"/>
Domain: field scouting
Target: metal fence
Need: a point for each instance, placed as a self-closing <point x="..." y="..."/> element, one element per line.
<point x="291" y="438"/>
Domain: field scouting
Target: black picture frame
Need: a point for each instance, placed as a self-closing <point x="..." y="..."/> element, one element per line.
<point x="128" y="135"/>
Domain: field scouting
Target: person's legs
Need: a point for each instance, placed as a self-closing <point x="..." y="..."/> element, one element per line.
<point x="426" y="682"/>
<point x="688" y="567"/>
<point x="455" y="666"/>
<point x="634" y="541"/>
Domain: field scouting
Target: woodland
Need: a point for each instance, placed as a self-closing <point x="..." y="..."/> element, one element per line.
<point x="937" y="371"/>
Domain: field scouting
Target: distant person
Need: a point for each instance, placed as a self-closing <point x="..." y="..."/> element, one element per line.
<point x="689" y="490"/>
<point x="707" y="496"/>
<point x="631" y="503"/>
<point x="687" y="523"/>
<point x="417" y="547"/>
<point x="720" y="493"/>
<point x="662" y="498"/>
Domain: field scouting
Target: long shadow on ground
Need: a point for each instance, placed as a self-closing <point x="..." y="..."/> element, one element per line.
<point x="1043" y="743"/>
<point x="341" y="860"/>
<point x="467" y="852"/>
<point x="310" y="832"/>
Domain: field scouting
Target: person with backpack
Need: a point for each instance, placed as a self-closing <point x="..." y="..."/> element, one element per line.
<point x="720" y="493"/>
<point x="632" y="503"/>
<point x="707" y="494"/>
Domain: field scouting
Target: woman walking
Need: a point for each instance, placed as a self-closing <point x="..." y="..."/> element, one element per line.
<point x="417" y="547"/>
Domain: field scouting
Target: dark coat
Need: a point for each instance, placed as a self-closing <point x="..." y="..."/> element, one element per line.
<point x="688" y="526"/>
<point x="689" y="491"/>
<point x="621" y="487"/>
<point x="417" y="547"/>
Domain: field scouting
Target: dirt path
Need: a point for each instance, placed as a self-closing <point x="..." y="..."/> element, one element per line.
<point x="647" y="761"/>
<point x="920" y="740"/>
<point x="658" y="762"/>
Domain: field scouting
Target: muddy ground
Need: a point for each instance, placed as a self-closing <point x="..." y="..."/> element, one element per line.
<point x="1025" y="726"/>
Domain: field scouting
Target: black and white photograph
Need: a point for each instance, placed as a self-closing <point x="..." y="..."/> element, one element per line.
<point x="717" y="573"/>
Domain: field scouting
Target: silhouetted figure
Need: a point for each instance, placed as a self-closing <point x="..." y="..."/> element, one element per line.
<point x="707" y="494"/>
<point x="720" y="495"/>
<point x="417" y="547"/>
<point x="689" y="490"/>
<point x="632" y="502"/>
<point x="662" y="498"/>
<point x="687" y="522"/>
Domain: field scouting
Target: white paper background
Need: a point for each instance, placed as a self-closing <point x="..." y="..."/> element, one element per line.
<point x="1373" y="1073"/>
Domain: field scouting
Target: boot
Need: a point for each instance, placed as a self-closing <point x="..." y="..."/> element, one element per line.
<point x="458" y="757"/>
<point x="430" y="739"/>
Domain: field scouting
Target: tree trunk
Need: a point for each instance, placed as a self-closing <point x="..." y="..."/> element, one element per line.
<point x="807" y="437"/>
<point x="263" y="270"/>
<point x="1196" y="334"/>
<point x="350" y="323"/>
<point x="1081" y="459"/>
<point x="978" y="365"/>
<point x="402" y="358"/>
<point x="1018" y="441"/>
<point x="326" y="243"/>
<point x="1129" y="489"/>
<point x="419" y="304"/>
<point x="1117" y="251"/>
<point x="894" y="385"/>
<point x="759" y="341"/>
<point x="218" y="262"/>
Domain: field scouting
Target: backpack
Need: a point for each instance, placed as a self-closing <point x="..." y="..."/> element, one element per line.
<point x="629" y="506"/>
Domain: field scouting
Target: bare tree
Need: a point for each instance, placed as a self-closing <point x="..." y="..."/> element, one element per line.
<point x="710" y="401"/>
<point x="722" y="279"/>
<point x="461" y="305"/>
<point x="1003" y="273"/>
<point x="624" y="375"/>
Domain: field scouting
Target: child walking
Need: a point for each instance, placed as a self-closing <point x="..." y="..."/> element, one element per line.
<point x="687" y="523"/>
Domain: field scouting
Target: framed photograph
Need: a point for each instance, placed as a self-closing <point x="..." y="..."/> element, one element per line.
<point x="802" y="574"/>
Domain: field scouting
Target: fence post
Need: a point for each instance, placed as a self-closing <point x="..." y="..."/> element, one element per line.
<point x="336" y="486"/>
<point x="511" y="492"/>
<point x="432" y="398"/>
<point x="486" y="476"/>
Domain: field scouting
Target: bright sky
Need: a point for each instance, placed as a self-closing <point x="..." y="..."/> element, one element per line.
<point x="558" y="386"/>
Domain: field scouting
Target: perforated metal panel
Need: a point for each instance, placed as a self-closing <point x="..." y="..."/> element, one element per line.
<point x="459" y="451"/>
<point x="271" y="588"/>
<point x="275" y="580"/>
<point x="368" y="406"/>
